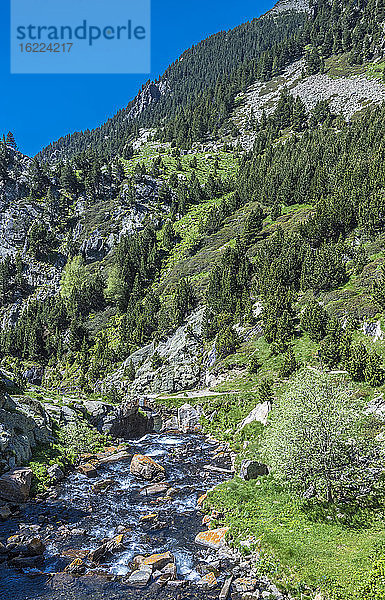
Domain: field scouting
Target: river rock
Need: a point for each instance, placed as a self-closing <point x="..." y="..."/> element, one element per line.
<point x="88" y="470"/>
<point x="250" y="469"/>
<point x="55" y="474"/>
<point x="244" y="584"/>
<point x="145" y="467"/>
<point x="107" y="549"/>
<point x="35" y="547"/>
<point x="171" y="424"/>
<point x="170" y="570"/>
<point x="5" y="512"/>
<point x="177" y="583"/>
<point x="103" y="486"/>
<point x="152" y="490"/>
<point x="225" y="591"/>
<point x="139" y="578"/>
<point x="208" y="581"/>
<point x="15" y="485"/>
<point x="158" y="561"/>
<point x="76" y="567"/>
<point x="213" y="539"/>
<point x="188" y="419"/>
<point x="114" y="458"/>
<point x="27" y="562"/>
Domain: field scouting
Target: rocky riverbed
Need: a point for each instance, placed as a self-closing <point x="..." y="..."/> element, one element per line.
<point x="130" y="528"/>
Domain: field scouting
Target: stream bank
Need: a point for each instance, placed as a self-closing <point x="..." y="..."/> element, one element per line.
<point x="86" y="539"/>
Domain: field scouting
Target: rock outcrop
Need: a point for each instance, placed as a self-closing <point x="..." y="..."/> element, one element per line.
<point x="259" y="414"/>
<point x="345" y="95"/>
<point x="178" y="365"/>
<point x="23" y="424"/>
<point x="127" y="421"/>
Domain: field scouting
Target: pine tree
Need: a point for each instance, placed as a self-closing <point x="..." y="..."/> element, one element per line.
<point x="374" y="373"/>
<point x="10" y="140"/>
<point x="314" y="320"/>
<point x="357" y="362"/>
<point x="289" y="365"/>
<point x="252" y="226"/>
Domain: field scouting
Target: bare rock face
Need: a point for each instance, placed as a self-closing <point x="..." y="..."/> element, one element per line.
<point x="178" y="364"/>
<point x="259" y="414"/>
<point x="145" y="467"/>
<point x="15" y="485"/>
<point x="23" y="424"/>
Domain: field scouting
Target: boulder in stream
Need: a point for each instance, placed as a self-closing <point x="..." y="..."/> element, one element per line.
<point x="208" y="581"/>
<point x="104" y="551"/>
<point x="139" y="578"/>
<point x="55" y="474"/>
<point x="88" y="470"/>
<point x="146" y="468"/>
<point x="158" y="561"/>
<point x="156" y="488"/>
<point x="15" y="485"/>
<point x="5" y="512"/>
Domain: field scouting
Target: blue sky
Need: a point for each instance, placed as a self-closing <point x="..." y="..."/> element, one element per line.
<point x="41" y="108"/>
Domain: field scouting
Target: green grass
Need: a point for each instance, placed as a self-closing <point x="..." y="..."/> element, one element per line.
<point x="375" y="70"/>
<point x="339" y="66"/>
<point x="228" y="164"/>
<point x="299" y="552"/>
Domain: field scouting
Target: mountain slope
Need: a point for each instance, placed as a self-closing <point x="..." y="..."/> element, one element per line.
<point x="204" y="66"/>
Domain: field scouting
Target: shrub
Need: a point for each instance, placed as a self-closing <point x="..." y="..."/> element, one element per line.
<point x="80" y="437"/>
<point x="315" y="438"/>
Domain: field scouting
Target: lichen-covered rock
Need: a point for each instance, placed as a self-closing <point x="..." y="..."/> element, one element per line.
<point x="208" y="581"/>
<point x="106" y="550"/>
<point x="158" y="561"/>
<point x="214" y="538"/>
<point x="145" y="467"/>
